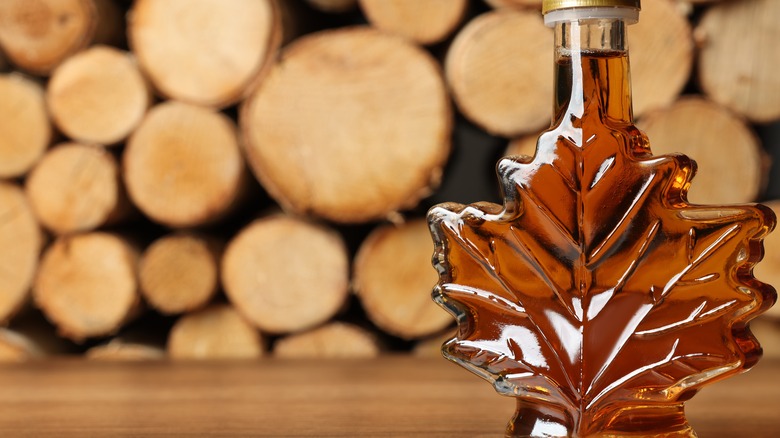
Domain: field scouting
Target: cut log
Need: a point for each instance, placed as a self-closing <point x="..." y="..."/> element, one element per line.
<point x="514" y="3"/>
<point x="499" y="71"/>
<point x="394" y="278"/>
<point x="217" y="332"/>
<point x="333" y="6"/>
<point x="768" y="269"/>
<point x="422" y="21"/>
<point x="285" y="274"/>
<point x="431" y="347"/>
<point x="336" y="340"/>
<point x="731" y="164"/>
<point x="525" y="145"/>
<point x="208" y="52"/>
<point x="183" y="166"/>
<point x="179" y="273"/>
<point x="98" y="95"/>
<point x="21" y="241"/>
<point x="86" y="284"/>
<point x="38" y="35"/>
<point x="360" y="118"/>
<point x="739" y="57"/>
<point x="25" y="131"/>
<point x="119" y="350"/>
<point x="661" y="47"/>
<point x="16" y="347"/>
<point x="76" y="188"/>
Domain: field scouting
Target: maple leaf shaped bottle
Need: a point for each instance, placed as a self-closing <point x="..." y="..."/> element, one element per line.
<point x="597" y="295"/>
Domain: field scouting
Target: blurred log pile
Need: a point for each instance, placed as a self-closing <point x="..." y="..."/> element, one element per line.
<point x="244" y="178"/>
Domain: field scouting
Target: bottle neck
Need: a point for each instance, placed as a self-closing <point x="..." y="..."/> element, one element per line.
<point x="592" y="70"/>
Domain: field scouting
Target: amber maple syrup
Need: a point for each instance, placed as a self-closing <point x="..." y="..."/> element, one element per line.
<point x="597" y="295"/>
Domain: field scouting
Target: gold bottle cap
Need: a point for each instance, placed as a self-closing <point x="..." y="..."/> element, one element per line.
<point x="554" y="5"/>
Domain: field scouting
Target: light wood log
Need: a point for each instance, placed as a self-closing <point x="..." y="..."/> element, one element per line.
<point x="499" y="69"/>
<point x="38" y="35"/>
<point x="515" y="3"/>
<point x="351" y="125"/>
<point x="120" y="350"/>
<point x="739" y="57"/>
<point x="179" y="273"/>
<point x="731" y="163"/>
<point x="182" y="166"/>
<point x="21" y="240"/>
<point x="768" y="269"/>
<point x="661" y="55"/>
<point x="422" y="21"/>
<point x="30" y="337"/>
<point x="16" y="347"/>
<point x="285" y="274"/>
<point x="76" y="188"/>
<point x="394" y="278"/>
<point x="208" y="52"/>
<point x="333" y="6"/>
<point x="86" y="284"/>
<point x="525" y="145"/>
<point x="331" y="341"/>
<point x="98" y="95"/>
<point x="217" y="332"/>
<point x="25" y="131"/>
<point x="431" y="347"/>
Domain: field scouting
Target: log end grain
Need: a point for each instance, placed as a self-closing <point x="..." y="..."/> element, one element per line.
<point x="731" y="163"/>
<point x="336" y="340"/>
<point x="661" y="47"/>
<point x="38" y="35"/>
<point x="21" y="240"/>
<point x="217" y="332"/>
<point x="333" y="6"/>
<point x="739" y="57"/>
<point x="98" y="95"/>
<point x="179" y="273"/>
<point x="86" y="284"/>
<point x="350" y="125"/>
<point x="183" y="166"/>
<point x="118" y="350"/>
<point x="768" y="269"/>
<point x="422" y="21"/>
<point x="393" y="277"/>
<point x="25" y="131"/>
<point x="209" y="52"/>
<point x="75" y="188"/>
<point x="499" y="71"/>
<point x="285" y="274"/>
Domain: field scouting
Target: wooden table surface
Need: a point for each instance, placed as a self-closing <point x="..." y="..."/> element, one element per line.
<point x="392" y="396"/>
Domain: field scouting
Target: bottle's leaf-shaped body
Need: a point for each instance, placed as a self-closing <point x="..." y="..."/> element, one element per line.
<point x="596" y="294"/>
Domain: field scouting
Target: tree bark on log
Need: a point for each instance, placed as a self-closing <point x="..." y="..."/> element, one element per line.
<point x="733" y="36"/>
<point x="25" y="130"/>
<point x="216" y="332"/>
<point x="209" y="52"/>
<point x="179" y="273"/>
<point x="351" y="125"/>
<point x="86" y="284"/>
<point x="98" y="96"/>
<point x="334" y="340"/>
<point x="285" y="274"/>
<point x="731" y="164"/>
<point x="183" y="166"/>
<point x="77" y="188"/>
<point x="422" y="21"/>
<point x="21" y="241"/>
<point x="393" y="277"/>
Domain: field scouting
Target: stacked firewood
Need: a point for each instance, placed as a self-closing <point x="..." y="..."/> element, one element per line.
<point x="239" y="178"/>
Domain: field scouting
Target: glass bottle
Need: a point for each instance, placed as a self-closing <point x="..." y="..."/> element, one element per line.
<point x="596" y="295"/>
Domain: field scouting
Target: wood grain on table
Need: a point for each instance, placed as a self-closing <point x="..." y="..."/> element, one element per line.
<point x="390" y="396"/>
